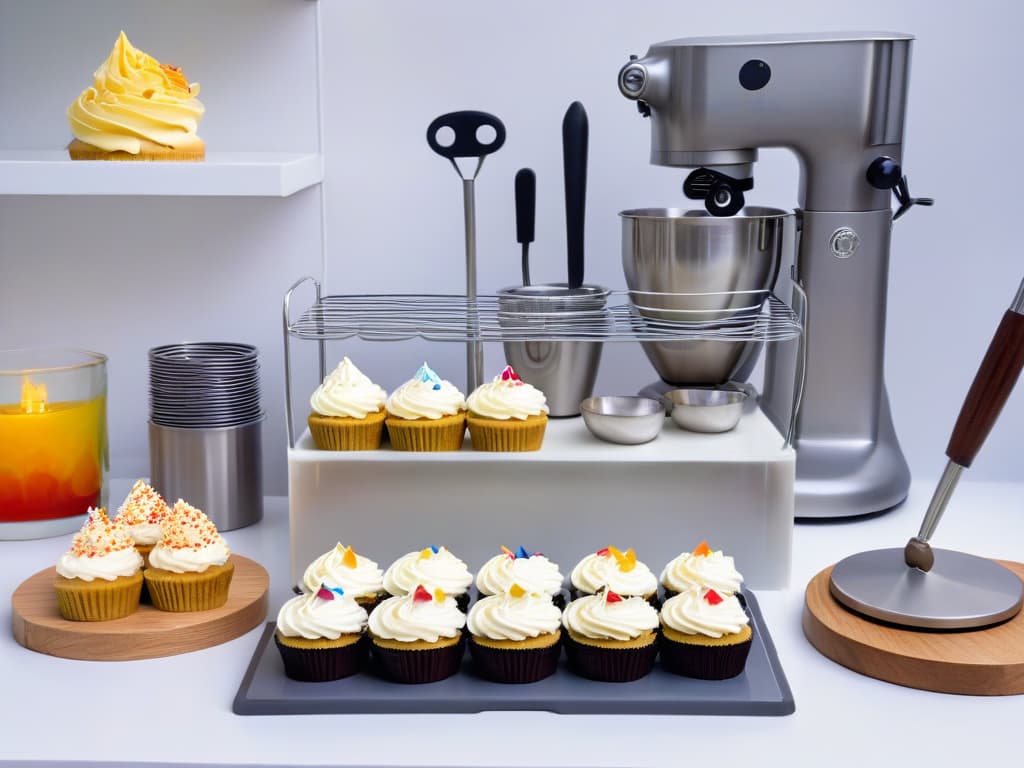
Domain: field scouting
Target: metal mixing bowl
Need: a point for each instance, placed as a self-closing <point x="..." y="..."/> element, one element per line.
<point x="627" y="420"/>
<point x="706" y="410"/>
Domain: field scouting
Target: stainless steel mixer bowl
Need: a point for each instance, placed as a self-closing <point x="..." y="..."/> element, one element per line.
<point x="701" y="271"/>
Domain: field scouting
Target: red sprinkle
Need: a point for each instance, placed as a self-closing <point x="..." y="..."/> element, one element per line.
<point x="613" y="597"/>
<point x="713" y="597"/>
<point x="421" y="595"/>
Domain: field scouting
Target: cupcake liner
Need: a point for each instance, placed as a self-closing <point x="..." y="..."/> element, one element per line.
<point x="515" y="665"/>
<point x="319" y="665"/>
<point x="610" y="665"/>
<point x="425" y="665"/>
<point x="427" y="435"/>
<point x="513" y="435"/>
<point x="184" y="592"/>
<point x="333" y="433"/>
<point x="704" y="662"/>
<point x="150" y="150"/>
<point x="98" y="600"/>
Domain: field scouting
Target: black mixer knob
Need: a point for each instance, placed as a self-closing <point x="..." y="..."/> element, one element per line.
<point x="884" y="173"/>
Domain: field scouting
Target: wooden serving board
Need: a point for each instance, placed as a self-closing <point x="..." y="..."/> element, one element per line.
<point x="980" y="662"/>
<point x="147" y="633"/>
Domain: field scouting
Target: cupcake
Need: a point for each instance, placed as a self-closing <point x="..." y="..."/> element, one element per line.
<point x="190" y="567"/>
<point x="426" y="413"/>
<point x="359" y="576"/>
<point x="611" y="638"/>
<point x="417" y="638"/>
<point x="507" y="414"/>
<point x="533" y="572"/>
<point x="320" y="636"/>
<point x="142" y="514"/>
<point x="434" y="567"/>
<point x="136" y="109"/>
<point x="619" y="571"/>
<point x="515" y="637"/>
<point x="347" y="411"/>
<point x="100" y="577"/>
<point x="704" y="634"/>
<point x="701" y="568"/>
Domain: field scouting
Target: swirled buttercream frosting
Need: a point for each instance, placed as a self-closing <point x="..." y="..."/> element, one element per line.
<point x="704" y="612"/>
<point x="425" y="396"/>
<point x="702" y="568"/>
<point x="143" y="512"/>
<point x="102" y="549"/>
<point x="342" y="567"/>
<point x="533" y="572"/>
<point x="515" y="615"/>
<point x="434" y="567"/>
<point x="190" y="542"/>
<point x="326" y="613"/>
<point x="619" y="571"/>
<point x="421" y="615"/>
<point x="607" y="616"/>
<point x="507" y="396"/>
<point x="135" y="97"/>
<point x="347" y="391"/>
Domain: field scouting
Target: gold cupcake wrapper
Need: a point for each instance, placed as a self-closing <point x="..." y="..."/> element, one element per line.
<point x="508" y="436"/>
<point x="150" y="150"/>
<point x="427" y="435"/>
<point x="98" y="600"/>
<point x="182" y="592"/>
<point x="338" y="433"/>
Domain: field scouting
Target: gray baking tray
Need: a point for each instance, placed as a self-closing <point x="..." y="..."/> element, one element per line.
<point x="760" y="690"/>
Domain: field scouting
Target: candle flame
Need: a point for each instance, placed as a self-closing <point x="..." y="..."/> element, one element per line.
<point x="33" y="396"/>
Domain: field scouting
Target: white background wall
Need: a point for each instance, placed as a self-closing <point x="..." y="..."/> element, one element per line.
<point x="121" y="275"/>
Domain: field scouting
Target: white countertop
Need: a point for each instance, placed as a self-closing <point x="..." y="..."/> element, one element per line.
<point x="177" y="710"/>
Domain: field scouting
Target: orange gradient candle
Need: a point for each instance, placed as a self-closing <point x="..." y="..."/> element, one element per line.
<point x="53" y="439"/>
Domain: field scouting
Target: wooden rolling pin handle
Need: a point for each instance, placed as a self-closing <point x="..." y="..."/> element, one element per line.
<point x="990" y="389"/>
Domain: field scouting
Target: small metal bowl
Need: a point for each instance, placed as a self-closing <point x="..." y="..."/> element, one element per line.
<point x="706" y="410"/>
<point x="626" y="420"/>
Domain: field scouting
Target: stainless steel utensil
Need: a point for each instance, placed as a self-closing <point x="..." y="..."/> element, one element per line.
<point x="466" y="143"/>
<point x="706" y="410"/>
<point x="526" y="209"/>
<point x="626" y="420"/>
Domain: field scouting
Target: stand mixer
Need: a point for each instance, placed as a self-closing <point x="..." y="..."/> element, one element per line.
<point x="837" y="101"/>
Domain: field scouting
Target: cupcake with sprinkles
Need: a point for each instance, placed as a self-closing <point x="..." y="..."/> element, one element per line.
<point x="321" y="635"/>
<point x="507" y="414"/>
<point x="610" y="637"/>
<point x="426" y="413"/>
<point x="705" y="634"/>
<point x="417" y="638"/>
<point x="515" y="637"/>
<point x="616" y="570"/>
<point x="341" y="566"/>
<point x="100" y="577"/>
<point x="190" y="568"/>
<point x="532" y="571"/>
<point x="347" y="411"/>
<point x="142" y="513"/>
<point x="703" y="567"/>
<point x="434" y="567"/>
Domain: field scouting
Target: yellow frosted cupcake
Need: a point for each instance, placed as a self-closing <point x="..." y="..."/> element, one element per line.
<point x="143" y="513"/>
<point x="100" y="577"/>
<point x="190" y="567"/>
<point x="507" y="414"/>
<point x="347" y="411"/>
<point x="426" y="413"/>
<point x="136" y="109"/>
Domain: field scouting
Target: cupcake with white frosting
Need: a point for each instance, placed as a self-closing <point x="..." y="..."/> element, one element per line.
<point x="515" y="637"/>
<point x="507" y="414"/>
<point x="610" y="637"/>
<point x="417" y="638"/>
<point x="613" y="569"/>
<point x="340" y="566"/>
<point x="433" y="567"/>
<point x="320" y="635"/>
<point x="703" y="567"/>
<point x="426" y="413"/>
<point x="347" y="411"/>
<point x="705" y="634"/>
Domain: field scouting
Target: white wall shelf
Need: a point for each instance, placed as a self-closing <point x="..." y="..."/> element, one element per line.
<point x="222" y="174"/>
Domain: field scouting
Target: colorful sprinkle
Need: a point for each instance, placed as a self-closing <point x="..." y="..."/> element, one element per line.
<point x="612" y="597"/>
<point x="349" y="558"/>
<point x="509" y="552"/>
<point x="603" y="552"/>
<point x="516" y="591"/>
<point x="426" y="375"/>
<point x="713" y="597"/>
<point x="626" y="561"/>
<point x="421" y="595"/>
<point x="702" y="549"/>
<point x="521" y="553"/>
<point x="439" y="595"/>
<point x="508" y="374"/>
<point x="324" y="593"/>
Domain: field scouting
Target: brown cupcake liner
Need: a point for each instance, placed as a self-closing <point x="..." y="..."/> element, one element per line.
<point x="512" y="665"/>
<point x="103" y="601"/>
<point x="346" y="434"/>
<point x="704" y="662"/>
<point x="319" y="665"/>
<point x="510" y="436"/>
<point x="427" y="435"/>
<point x="610" y="665"/>
<point x="418" y="666"/>
<point x="186" y="592"/>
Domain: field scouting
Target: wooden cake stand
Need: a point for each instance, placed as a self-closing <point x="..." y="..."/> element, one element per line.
<point x="981" y="662"/>
<point x="145" y="634"/>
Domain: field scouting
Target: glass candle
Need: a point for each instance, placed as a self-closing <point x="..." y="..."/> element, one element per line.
<point x="53" y="440"/>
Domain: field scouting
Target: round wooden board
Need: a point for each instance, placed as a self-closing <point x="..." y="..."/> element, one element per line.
<point x="981" y="662"/>
<point x="147" y="633"/>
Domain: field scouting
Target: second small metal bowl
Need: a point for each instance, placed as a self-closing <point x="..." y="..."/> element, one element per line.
<point x="706" y="410"/>
<point x="622" y="419"/>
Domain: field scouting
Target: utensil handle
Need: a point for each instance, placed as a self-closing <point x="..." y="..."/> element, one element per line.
<point x="990" y="389"/>
<point x="526" y="204"/>
<point x="575" y="135"/>
<point x="465" y="125"/>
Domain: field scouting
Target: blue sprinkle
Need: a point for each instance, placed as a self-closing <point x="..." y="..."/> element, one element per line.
<point x="433" y="549"/>
<point x="520" y="553"/>
<point x="338" y="590"/>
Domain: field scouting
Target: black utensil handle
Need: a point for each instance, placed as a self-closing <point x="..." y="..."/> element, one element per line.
<point x="526" y="204"/>
<point x="465" y="126"/>
<point x="990" y="389"/>
<point x="575" y="134"/>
